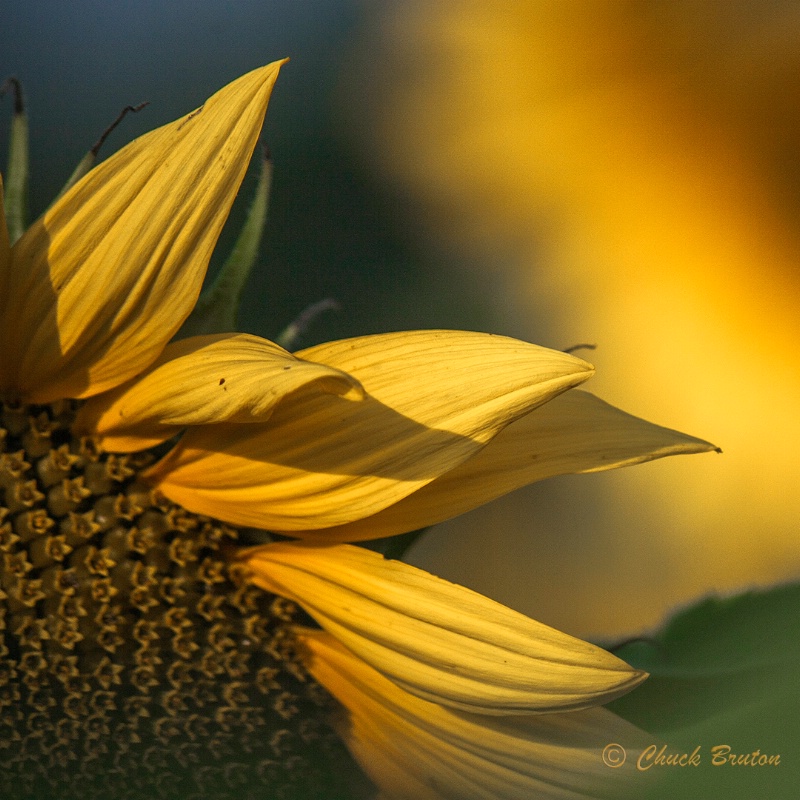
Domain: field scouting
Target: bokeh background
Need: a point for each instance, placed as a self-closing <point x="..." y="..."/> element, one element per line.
<point x="620" y="173"/>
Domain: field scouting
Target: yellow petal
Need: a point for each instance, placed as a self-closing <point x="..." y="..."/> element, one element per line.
<point x="575" y="432"/>
<point x="104" y="279"/>
<point x="407" y="745"/>
<point x="434" y="398"/>
<point x="202" y="380"/>
<point x="436" y="639"/>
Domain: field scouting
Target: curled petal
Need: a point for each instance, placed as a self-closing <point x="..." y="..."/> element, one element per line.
<point x="202" y="380"/>
<point x="575" y="432"/>
<point x="104" y="279"/>
<point x="412" y="748"/>
<point x="433" y="399"/>
<point x="438" y="640"/>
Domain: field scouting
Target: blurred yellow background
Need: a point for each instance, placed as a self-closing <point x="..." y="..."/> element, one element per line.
<point x="627" y="174"/>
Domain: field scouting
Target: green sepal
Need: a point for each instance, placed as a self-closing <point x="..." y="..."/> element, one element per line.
<point x="288" y="337"/>
<point x="218" y="306"/>
<point x="86" y="164"/>
<point x="397" y="546"/>
<point x="16" y="180"/>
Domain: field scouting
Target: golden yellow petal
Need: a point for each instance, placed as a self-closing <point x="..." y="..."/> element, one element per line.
<point x="104" y="279"/>
<point x="465" y="756"/>
<point x="434" y="398"/>
<point x="438" y="640"/>
<point x="575" y="432"/>
<point x="372" y="743"/>
<point x="441" y="376"/>
<point x="202" y="380"/>
<point x="369" y="745"/>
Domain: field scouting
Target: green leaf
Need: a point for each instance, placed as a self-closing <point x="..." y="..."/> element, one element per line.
<point x="725" y="672"/>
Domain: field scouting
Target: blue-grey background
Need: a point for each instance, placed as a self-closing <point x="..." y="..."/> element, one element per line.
<point x="334" y="230"/>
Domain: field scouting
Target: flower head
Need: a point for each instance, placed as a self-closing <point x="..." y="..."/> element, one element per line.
<point x="145" y="652"/>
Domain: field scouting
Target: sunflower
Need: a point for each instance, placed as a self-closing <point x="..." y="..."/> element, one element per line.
<point x="153" y="643"/>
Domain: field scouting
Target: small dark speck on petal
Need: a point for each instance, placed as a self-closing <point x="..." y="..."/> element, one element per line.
<point x="190" y="116"/>
<point x="289" y="366"/>
<point x="221" y="381"/>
